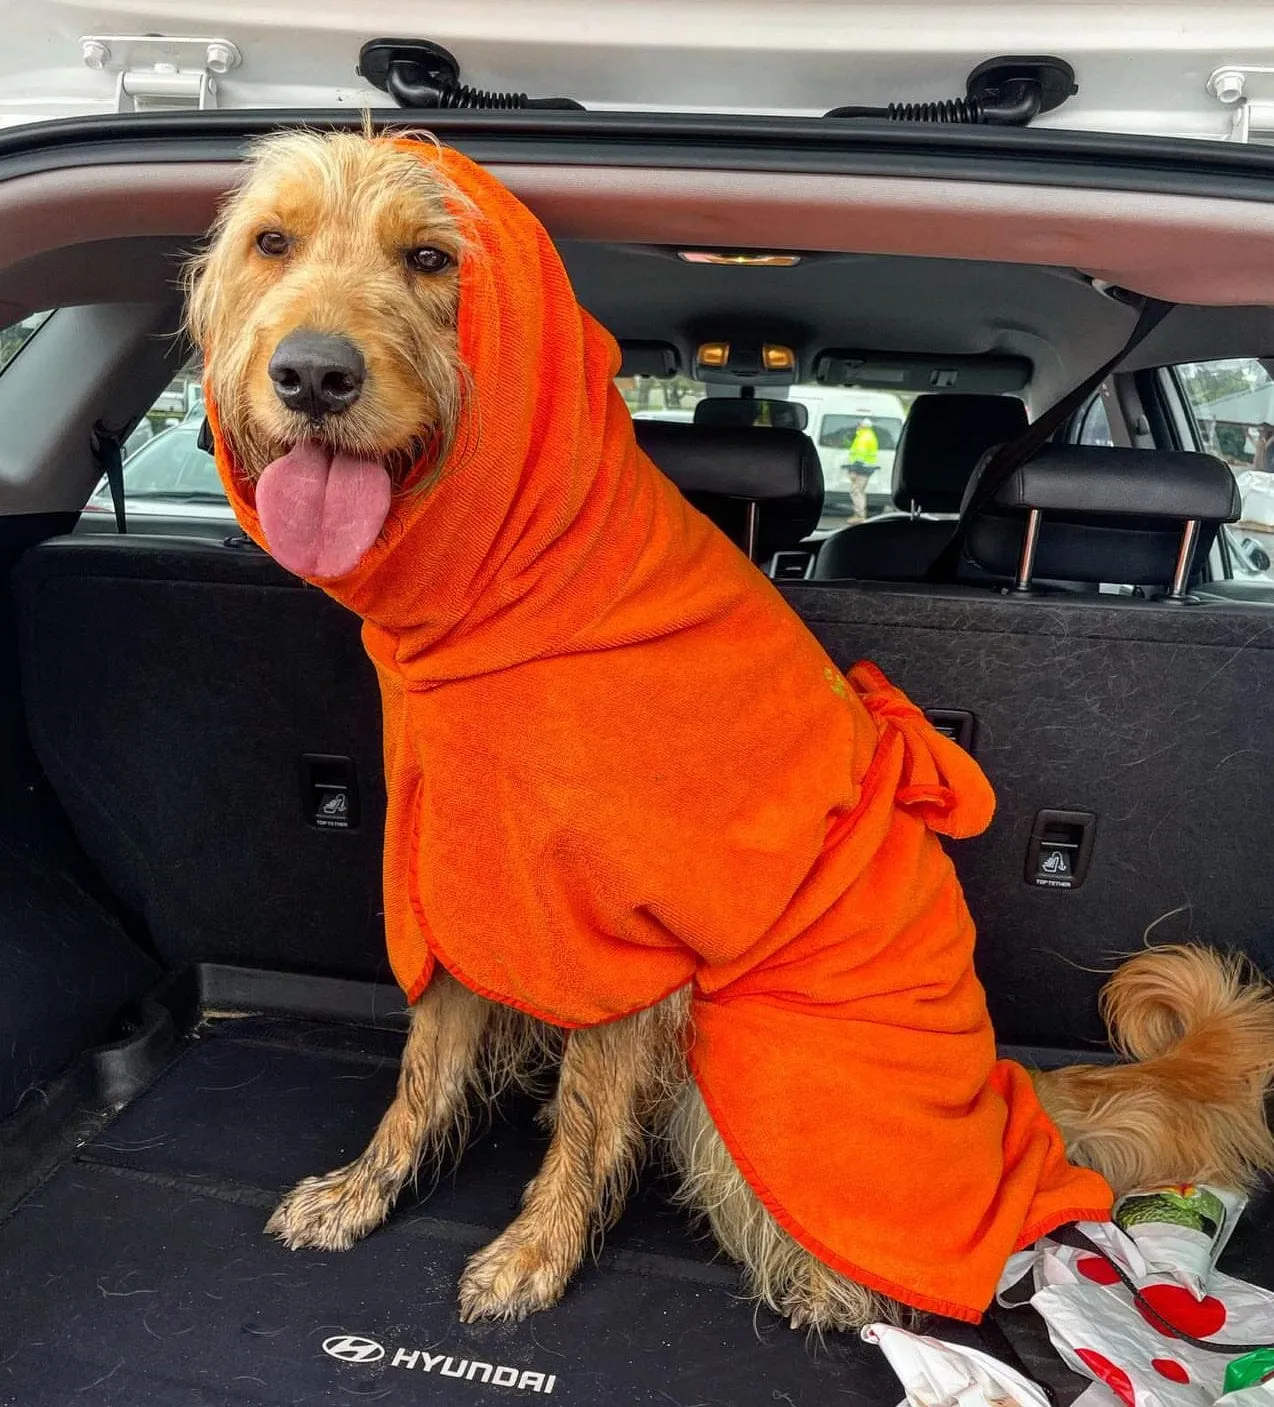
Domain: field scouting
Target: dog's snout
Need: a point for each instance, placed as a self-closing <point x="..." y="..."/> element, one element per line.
<point x="317" y="373"/>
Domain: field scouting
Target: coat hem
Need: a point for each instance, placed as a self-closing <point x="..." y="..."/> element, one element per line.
<point x="917" y="1299"/>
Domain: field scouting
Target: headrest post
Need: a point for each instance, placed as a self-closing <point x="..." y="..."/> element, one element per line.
<point x="1030" y="541"/>
<point x="751" y="529"/>
<point x="1185" y="559"/>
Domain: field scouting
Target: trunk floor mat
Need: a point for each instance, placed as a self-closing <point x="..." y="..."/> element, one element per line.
<point x="138" y="1272"/>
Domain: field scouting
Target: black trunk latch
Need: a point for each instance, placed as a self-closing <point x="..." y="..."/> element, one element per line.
<point x="329" y="792"/>
<point x="1060" y="848"/>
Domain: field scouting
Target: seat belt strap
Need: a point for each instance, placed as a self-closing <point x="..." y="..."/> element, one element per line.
<point x="1004" y="460"/>
<point x="108" y="454"/>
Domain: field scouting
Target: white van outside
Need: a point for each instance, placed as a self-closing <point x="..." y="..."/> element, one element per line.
<point x="834" y="415"/>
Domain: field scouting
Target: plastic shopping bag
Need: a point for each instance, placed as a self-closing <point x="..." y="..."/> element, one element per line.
<point x="935" y="1373"/>
<point x="1125" y="1343"/>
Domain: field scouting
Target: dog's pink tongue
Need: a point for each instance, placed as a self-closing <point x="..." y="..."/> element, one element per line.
<point x="321" y="512"/>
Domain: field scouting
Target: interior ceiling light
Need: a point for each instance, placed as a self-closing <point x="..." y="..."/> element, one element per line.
<point x="750" y="261"/>
<point x="713" y="354"/>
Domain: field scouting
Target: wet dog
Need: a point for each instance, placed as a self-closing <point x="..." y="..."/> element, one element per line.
<point x="326" y="306"/>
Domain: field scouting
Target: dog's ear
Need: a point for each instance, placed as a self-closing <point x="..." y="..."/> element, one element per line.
<point x="202" y="276"/>
<point x="200" y="294"/>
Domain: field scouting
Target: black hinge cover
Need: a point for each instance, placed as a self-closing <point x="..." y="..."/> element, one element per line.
<point x="1002" y="92"/>
<point x="418" y="74"/>
<point x="1054" y="78"/>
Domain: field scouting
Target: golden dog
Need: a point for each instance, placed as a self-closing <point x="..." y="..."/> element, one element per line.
<point x="357" y="244"/>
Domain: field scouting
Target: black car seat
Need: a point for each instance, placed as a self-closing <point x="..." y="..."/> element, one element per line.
<point x="762" y="487"/>
<point x="941" y="445"/>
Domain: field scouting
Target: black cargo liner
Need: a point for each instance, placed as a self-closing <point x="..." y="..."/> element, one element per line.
<point x="136" y="1272"/>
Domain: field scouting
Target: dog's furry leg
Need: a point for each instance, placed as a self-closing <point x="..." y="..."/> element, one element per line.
<point x="612" y="1079"/>
<point x="777" y="1270"/>
<point x="440" y="1063"/>
<point x="1200" y="1026"/>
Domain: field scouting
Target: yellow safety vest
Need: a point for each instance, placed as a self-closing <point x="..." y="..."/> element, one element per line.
<point x="864" y="447"/>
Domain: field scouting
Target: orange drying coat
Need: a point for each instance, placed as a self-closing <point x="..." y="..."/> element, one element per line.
<point x="617" y="764"/>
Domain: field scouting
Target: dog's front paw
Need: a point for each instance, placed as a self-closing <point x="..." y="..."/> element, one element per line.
<point x="331" y="1212"/>
<point x="817" y="1299"/>
<point x="512" y="1277"/>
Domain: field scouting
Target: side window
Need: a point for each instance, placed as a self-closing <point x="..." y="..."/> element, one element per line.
<point x="1232" y="404"/>
<point x="166" y="474"/>
<point x="16" y="336"/>
<point x="1094" y="424"/>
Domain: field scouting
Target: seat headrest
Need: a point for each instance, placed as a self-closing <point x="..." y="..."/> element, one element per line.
<point x="1173" y="484"/>
<point x="722" y="470"/>
<point x="1107" y="515"/>
<point x="942" y="443"/>
<point x="764" y="414"/>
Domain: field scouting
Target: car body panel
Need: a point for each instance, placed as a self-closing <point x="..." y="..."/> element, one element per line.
<point x="1142" y="68"/>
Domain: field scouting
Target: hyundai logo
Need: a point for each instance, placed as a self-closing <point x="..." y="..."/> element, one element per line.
<point x="352" y="1348"/>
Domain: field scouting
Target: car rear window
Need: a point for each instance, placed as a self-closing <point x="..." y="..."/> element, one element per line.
<point x="164" y="466"/>
<point x="16" y="336"/>
<point x="838" y="431"/>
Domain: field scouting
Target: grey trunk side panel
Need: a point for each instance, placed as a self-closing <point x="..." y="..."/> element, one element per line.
<point x="171" y="688"/>
<point x="1158" y="719"/>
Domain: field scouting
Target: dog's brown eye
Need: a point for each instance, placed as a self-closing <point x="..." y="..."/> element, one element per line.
<point x="273" y="243"/>
<point x="427" y="260"/>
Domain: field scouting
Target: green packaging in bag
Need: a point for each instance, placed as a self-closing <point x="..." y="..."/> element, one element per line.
<point x="1180" y="1230"/>
<point x="1250" y="1370"/>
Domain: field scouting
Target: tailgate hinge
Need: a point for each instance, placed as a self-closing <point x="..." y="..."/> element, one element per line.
<point x="1248" y="91"/>
<point x="161" y="72"/>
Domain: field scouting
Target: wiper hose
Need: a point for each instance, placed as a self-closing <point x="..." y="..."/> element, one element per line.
<point x="1004" y="92"/>
<point x="1021" y="103"/>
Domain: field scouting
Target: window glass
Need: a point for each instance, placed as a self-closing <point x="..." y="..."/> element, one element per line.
<point x="855" y="428"/>
<point x="839" y="431"/>
<point x="16" y="336"/>
<point x="1232" y="402"/>
<point x="166" y="474"/>
<point x="1094" y="424"/>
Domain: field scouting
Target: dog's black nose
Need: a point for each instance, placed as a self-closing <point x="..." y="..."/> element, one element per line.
<point x="317" y="373"/>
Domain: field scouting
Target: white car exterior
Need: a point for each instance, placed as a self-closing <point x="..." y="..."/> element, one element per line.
<point x="1185" y="68"/>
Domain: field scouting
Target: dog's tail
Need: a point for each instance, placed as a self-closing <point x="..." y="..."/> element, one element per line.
<point x="1197" y="1028"/>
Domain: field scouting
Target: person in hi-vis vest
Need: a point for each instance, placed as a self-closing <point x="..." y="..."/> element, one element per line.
<point x="864" y="454"/>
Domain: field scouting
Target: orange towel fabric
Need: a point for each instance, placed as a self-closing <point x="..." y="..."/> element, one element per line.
<point x="618" y="763"/>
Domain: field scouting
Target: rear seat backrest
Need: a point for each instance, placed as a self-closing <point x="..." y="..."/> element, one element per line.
<point x="944" y="439"/>
<point x="172" y="686"/>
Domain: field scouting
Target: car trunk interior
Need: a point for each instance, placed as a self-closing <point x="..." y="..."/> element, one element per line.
<point x="194" y="996"/>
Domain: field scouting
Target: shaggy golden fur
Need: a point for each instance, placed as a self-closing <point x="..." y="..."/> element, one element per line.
<point x="1198" y="1030"/>
<point x="340" y="217"/>
<point x="335" y="274"/>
